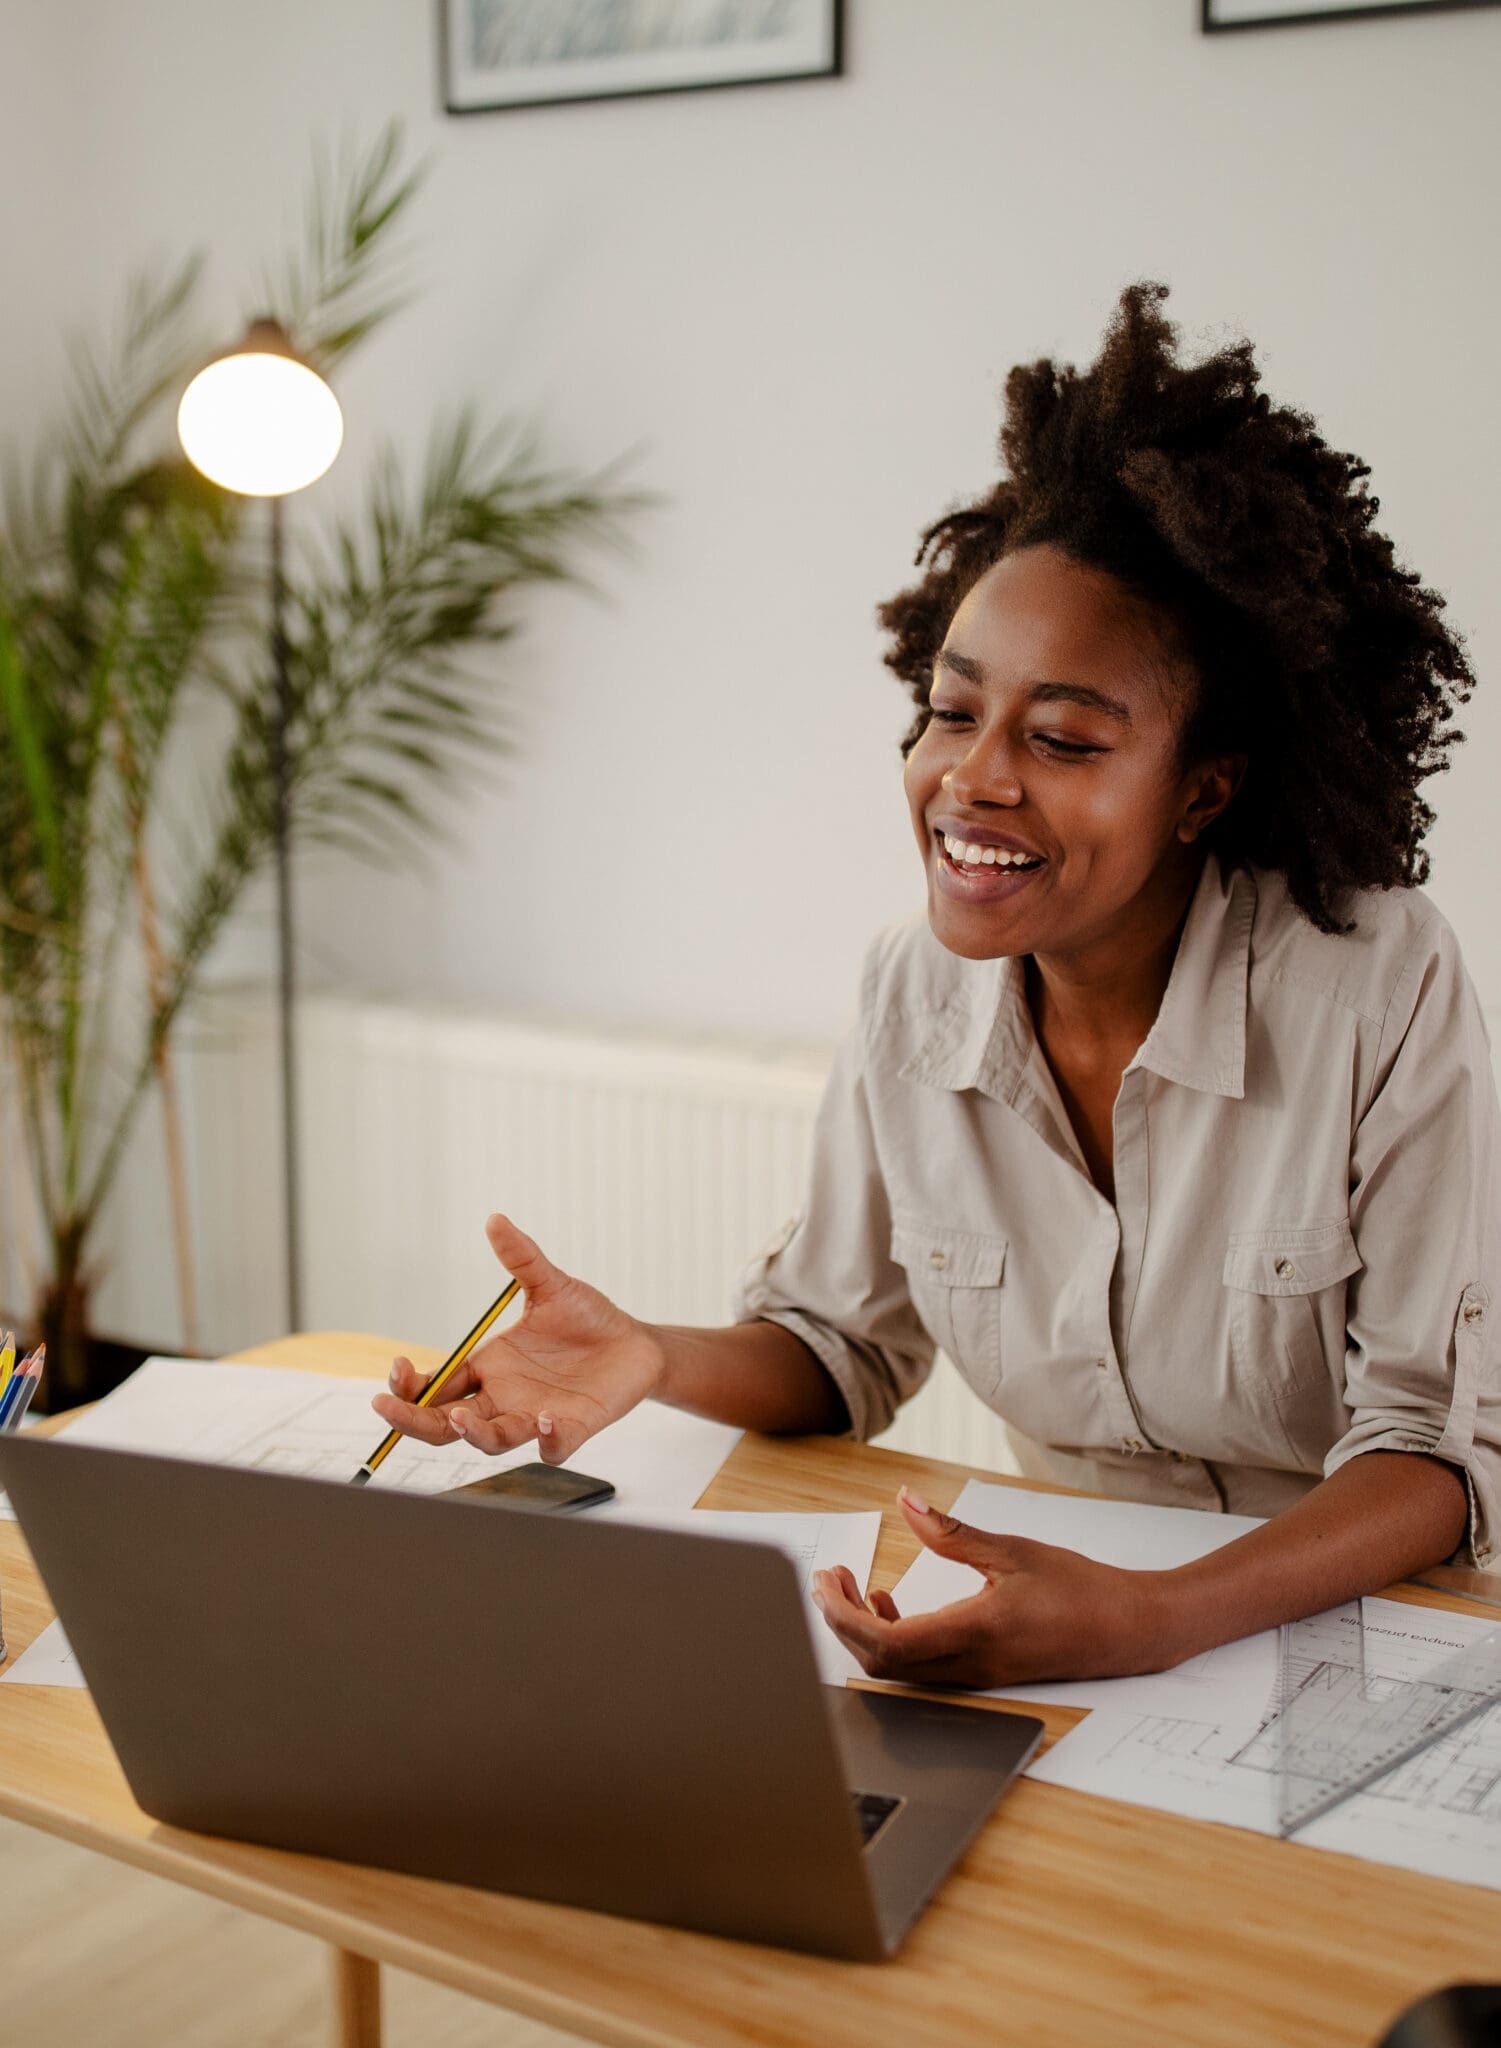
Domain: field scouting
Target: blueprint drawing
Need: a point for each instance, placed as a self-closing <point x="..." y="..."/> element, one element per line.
<point x="1440" y="1812"/>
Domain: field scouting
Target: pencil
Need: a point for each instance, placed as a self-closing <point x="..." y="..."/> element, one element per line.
<point x="27" y="1379"/>
<point x="10" y="1389"/>
<point x="438" y="1381"/>
<point x="10" y="1400"/>
<point x="7" y="1359"/>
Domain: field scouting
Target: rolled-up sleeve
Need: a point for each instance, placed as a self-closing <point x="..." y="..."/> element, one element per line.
<point x="828" y="1276"/>
<point x="1421" y="1364"/>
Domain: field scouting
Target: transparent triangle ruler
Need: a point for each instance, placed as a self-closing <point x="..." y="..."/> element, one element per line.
<point x="1338" y="1728"/>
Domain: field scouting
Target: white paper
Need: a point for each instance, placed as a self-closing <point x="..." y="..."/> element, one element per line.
<point x="322" y="1427"/>
<point x="47" y="1661"/>
<point x="1233" y="1682"/>
<point x="815" y="1543"/>
<point x="1440" y="1812"/>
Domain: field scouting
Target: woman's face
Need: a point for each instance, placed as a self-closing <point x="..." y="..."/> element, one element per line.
<point x="1047" y="792"/>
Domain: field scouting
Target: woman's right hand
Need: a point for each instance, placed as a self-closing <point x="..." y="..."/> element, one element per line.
<point x="573" y="1363"/>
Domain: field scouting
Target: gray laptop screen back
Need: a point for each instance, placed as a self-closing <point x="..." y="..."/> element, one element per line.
<point x="615" y="1717"/>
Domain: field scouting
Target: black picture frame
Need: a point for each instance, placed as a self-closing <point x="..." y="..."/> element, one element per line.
<point x="827" y="15"/>
<point x="1294" y="16"/>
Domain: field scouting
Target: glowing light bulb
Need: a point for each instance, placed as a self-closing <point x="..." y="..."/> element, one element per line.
<point x="260" y="422"/>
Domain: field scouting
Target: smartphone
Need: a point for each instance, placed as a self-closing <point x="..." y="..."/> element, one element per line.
<point x="542" y="1486"/>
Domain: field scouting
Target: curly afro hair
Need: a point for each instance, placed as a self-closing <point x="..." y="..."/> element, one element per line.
<point x="1317" y="657"/>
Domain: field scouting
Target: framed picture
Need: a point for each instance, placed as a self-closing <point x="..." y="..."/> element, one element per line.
<point x="540" y="53"/>
<point x="1226" y="14"/>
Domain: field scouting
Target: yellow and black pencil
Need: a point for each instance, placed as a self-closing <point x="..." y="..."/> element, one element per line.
<point x="438" y="1382"/>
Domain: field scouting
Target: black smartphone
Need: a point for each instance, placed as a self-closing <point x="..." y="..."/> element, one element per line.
<point x="543" y="1486"/>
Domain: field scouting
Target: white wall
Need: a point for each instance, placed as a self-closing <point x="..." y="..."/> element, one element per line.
<point x="46" y="172"/>
<point x="798" y="303"/>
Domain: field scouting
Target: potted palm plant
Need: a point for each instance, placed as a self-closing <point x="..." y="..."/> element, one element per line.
<point x="137" y="702"/>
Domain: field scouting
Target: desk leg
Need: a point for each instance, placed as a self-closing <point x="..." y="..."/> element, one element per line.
<point x="356" y="1988"/>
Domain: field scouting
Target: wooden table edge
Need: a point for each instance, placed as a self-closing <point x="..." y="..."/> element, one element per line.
<point x="185" y="1857"/>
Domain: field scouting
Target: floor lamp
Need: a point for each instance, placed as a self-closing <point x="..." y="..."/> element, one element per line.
<point x="259" y="420"/>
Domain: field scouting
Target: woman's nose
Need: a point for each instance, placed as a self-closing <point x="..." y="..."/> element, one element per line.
<point x="985" y="775"/>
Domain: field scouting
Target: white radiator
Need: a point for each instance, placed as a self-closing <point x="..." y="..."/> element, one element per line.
<point x="653" y="1170"/>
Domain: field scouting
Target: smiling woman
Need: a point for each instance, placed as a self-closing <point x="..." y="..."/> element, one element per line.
<point x="1173" y="1121"/>
<point x="1059" y="820"/>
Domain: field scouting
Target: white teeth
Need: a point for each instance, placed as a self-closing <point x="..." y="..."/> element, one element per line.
<point x="974" y="855"/>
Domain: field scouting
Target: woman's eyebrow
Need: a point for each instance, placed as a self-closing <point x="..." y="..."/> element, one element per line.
<point x="971" y="671"/>
<point x="1081" y="693"/>
<point x="958" y="664"/>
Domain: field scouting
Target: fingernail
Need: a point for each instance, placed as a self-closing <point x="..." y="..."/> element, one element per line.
<point x="914" y="1501"/>
<point x="459" y="1420"/>
<point x="544" y="1425"/>
<point x="391" y="1379"/>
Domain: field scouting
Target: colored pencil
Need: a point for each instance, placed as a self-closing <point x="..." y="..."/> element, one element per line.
<point x="12" y="1388"/>
<point x="16" y="1414"/>
<point x="437" y="1383"/>
<point x="10" y="1399"/>
<point x="7" y="1359"/>
<point x="16" y="1399"/>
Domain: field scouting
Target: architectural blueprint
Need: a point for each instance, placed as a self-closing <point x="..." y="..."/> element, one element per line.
<point x="1440" y="1812"/>
<point x="318" y="1427"/>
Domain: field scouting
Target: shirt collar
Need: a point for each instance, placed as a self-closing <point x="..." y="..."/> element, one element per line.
<point x="969" y="1039"/>
<point x="983" y="1036"/>
<point x="1199" y="1037"/>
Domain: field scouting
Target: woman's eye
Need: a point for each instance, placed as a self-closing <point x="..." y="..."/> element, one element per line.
<point x="1073" y="749"/>
<point x="942" y="714"/>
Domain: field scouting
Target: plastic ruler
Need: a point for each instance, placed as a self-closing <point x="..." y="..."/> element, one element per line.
<point x="1339" y="1728"/>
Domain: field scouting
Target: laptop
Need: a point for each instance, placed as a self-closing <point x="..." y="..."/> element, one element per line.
<point x="617" y="1717"/>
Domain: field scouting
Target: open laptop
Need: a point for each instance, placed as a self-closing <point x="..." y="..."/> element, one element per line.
<point x="623" y="1718"/>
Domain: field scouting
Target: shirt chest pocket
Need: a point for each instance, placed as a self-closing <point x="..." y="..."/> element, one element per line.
<point x="954" y="1278"/>
<point x="1286" y="1295"/>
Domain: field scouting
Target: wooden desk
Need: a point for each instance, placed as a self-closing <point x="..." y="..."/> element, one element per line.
<point x="1072" y="1919"/>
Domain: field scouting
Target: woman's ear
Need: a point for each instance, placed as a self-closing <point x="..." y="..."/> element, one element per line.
<point x="1207" y="792"/>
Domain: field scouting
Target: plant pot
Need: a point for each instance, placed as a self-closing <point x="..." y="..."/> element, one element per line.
<point x="100" y="1365"/>
<point x="80" y="1365"/>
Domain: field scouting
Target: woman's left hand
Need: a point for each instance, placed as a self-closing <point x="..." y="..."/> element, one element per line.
<point x="1041" y="1613"/>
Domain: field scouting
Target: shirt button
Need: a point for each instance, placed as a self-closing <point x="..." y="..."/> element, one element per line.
<point x="1474" y="1313"/>
<point x="1285" y="1269"/>
<point x="1102" y="1365"/>
<point x="938" y="1260"/>
<point x="1132" y="1444"/>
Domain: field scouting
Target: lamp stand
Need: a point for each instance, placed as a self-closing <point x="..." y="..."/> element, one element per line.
<point x="282" y="772"/>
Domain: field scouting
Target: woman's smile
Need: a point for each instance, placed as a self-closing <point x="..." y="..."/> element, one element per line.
<point x="976" y="864"/>
<point x="1046" y="791"/>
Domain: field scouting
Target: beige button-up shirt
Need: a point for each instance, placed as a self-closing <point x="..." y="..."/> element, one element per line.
<point x="1302" y="1256"/>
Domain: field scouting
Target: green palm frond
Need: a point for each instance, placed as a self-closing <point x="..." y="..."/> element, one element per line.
<point x="132" y="612"/>
<point x="118" y="576"/>
<point x="114" y="393"/>
<point x="341" y="286"/>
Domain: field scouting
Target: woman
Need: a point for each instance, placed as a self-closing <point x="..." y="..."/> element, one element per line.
<point x="1174" y="1126"/>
